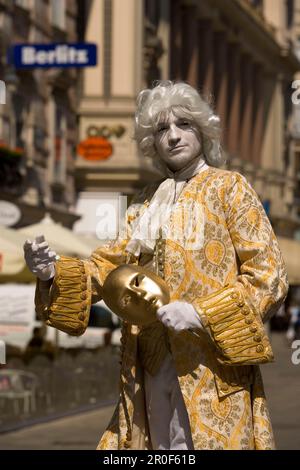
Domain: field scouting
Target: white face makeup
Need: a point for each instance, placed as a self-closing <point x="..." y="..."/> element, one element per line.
<point x="177" y="142"/>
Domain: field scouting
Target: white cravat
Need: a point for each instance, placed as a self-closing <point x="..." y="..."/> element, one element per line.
<point x="146" y="227"/>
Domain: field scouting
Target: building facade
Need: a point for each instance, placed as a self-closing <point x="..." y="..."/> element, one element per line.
<point x="238" y="53"/>
<point x="108" y="94"/>
<point x="38" y="129"/>
<point x="243" y="55"/>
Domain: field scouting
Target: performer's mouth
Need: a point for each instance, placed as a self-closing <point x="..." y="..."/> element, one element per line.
<point x="178" y="148"/>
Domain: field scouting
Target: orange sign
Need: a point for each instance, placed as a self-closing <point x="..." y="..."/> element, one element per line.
<point x="95" y="148"/>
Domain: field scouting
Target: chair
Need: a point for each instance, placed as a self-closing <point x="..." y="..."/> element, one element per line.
<point x="18" y="386"/>
<point x="42" y="367"/>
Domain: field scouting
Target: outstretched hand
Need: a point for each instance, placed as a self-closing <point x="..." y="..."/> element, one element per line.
<point x="39" y="258"/>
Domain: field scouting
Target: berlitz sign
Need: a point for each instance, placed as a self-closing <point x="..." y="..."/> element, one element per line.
<point x="53" y="55"/>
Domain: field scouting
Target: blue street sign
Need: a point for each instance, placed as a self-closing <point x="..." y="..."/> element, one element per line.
<point x="53" y="55"/>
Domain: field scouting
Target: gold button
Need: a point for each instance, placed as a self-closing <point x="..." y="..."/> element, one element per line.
<point x="224" y="387"/>
<point x="83" y="286"/>
<point x="259" y="348"/>
<point x="83" y="295"/>
<point x="234" y="295"/>
<point x="83" y="278"/>
<point x="82" y="270"/>
<point x="257" y="338"/>
<point x="245" y="311"/>
<point x="83" y="305"/>
<point x="160" y="251"/>
<point x="249" y="320"/>
<point x="240" y="303"/>
<point x="253" y="329"/>
<point x="81" y="316"/>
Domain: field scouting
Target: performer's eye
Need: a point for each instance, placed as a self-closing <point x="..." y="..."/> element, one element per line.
<point x="184" y="124"/>
<point x="162" y="128"/>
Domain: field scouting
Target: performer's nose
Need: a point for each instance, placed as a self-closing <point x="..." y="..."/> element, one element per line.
<point x="174" y="136"/>
<point x="150" y="297"/>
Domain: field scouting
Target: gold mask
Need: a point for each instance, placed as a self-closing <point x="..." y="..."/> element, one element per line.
<point x="135" y="293"/>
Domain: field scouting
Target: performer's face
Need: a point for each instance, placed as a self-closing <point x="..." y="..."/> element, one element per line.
<point x="135" y="293"/>
<point x="177" y="141"/>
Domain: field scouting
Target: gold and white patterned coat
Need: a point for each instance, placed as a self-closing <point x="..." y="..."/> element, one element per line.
<point x="234" y="276"/>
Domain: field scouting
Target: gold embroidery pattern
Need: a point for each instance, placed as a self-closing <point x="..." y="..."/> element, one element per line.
<point x="235" y="280"/>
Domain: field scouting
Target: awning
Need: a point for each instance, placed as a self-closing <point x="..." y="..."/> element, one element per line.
<point x="60" y="239"/>
<point x="291" y="254"/>
<point x="11" y="254"/>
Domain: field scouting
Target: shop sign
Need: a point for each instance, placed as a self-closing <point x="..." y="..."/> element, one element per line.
<point x="10" y="214"/>
<point x="53" y="55"/>
<point x="95" y="148"/>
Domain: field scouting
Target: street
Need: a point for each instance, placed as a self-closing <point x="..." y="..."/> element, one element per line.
<point x="282" y="387"/>
<point x="83" y="431"/>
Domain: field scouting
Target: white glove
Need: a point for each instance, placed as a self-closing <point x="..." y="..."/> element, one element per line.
<point x="39" y="258"/>
<point x="179" y="316"/>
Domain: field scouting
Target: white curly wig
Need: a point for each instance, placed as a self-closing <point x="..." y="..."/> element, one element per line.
<point x="183" y="101"/>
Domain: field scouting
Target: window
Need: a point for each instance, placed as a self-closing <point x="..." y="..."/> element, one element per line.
<point x="5" y="131"/>
<point x="152" y="11"/>
<point x="58" y="13"/>
<point x="23" y="4"/>
<point x="256" y="3"/>
<point x="290" y="13"/>
<point x="20" y="113"/>
<point x="60" y="145"/>
<point x="41" y="16"/>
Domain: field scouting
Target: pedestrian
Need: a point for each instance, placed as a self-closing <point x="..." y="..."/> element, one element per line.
<point x="39" y="345"/>
<point x="204" y="230"/>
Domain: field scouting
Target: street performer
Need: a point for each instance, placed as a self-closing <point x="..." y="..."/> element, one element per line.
<point x="190" y="379"/>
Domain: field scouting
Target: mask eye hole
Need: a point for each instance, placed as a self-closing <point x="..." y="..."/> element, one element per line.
<point x="138" y="279"/>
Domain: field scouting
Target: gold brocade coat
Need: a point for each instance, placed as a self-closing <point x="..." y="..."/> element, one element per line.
<point x="235" y="277"/>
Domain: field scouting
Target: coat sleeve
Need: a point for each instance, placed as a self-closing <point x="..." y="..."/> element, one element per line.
<point x="234" y="315"/>
<point x="65" y="301"/>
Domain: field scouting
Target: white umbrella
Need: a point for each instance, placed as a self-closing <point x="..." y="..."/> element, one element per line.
<point x="11" y="252"/>
<point x="90" y="240"/>
<point x="60" y="239"/>
<point x="18" y="238"/>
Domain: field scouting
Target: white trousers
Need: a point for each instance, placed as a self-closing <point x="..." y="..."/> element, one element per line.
<point x="167" y="416"/>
